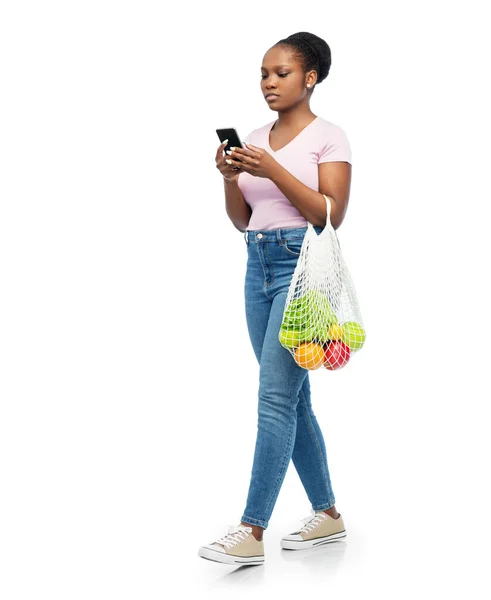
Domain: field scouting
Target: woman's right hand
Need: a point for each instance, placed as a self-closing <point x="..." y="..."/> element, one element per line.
<point x="229" y="172"/>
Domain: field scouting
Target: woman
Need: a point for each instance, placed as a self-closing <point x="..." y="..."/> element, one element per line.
<point x="272" y="188"/>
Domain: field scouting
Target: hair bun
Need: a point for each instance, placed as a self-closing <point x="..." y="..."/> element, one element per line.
<point x="314" y="50"/>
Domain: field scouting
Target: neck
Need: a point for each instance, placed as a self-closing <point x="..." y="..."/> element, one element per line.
<point x="298" y="116"/>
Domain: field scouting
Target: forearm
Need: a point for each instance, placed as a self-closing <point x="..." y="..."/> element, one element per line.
<point x="238" y="211"/>
<point x="311" y="204"/>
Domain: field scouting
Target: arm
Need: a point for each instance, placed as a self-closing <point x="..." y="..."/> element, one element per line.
<point x="238" y="211"/>
<point x="334" y="182"/>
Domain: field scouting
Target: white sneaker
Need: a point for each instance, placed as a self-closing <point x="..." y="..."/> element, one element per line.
<point x="238" y="547"/>
<point x="319" y="528"/>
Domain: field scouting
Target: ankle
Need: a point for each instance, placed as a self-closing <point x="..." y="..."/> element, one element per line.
<point x="332" y="512"/>
<point x="257" y="531"/>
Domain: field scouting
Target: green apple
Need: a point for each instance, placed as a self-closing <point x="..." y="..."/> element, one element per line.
<point x="353" y="335"/>
<point x="289" y="338"/>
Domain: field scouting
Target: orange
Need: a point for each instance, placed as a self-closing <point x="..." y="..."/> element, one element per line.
<point x="309" y="355"/>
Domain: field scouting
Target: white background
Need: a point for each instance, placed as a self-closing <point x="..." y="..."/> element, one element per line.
<point x="128" y="382"/>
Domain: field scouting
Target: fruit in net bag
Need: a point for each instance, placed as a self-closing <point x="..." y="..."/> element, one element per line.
<point x="291" y="338"/>
<point x="353" y="335"/>
<point x="311" y="315"/>
<point x="322" y="323"/>
<point x="335" y="332"/>
<point x="309" y="355"/>
<point x="336" y="355"/>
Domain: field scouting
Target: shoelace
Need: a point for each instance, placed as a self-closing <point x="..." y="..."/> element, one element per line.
<point x="311" y="522"/>
<point x="235" y="535"/>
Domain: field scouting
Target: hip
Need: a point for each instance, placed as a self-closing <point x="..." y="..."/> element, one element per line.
<point x="268" y="241"/>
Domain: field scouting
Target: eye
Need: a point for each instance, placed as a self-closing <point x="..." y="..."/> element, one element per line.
<point x="280" y="74"/>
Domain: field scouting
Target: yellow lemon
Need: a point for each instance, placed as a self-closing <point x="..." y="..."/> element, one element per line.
<point x="335" y="332"/>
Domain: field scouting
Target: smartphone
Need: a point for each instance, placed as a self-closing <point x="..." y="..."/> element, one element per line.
<point x="232" y="136"/>
<point x="233" y="140"/>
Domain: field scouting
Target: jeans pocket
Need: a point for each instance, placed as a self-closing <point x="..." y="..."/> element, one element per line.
<point x="293" y="246"/>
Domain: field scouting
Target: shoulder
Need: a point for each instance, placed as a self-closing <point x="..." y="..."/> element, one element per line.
<point x="328" y="129"/>
<point x="331" y="143"/>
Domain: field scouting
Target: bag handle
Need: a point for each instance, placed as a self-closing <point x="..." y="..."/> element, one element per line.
<point x="328" y="209"/>
<point x="328" y="221"/>
<point x="328" y="202"/>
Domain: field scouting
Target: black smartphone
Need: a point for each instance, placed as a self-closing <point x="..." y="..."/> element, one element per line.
<point x="232" y="136"/>
<point x="233" y="140"/>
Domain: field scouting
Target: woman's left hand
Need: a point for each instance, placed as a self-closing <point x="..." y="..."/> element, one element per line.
<point x="253" y="160"/>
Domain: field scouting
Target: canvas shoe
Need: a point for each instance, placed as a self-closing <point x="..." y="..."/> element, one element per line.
<point x="319" y="528"/>
<point x="238" y="547"/>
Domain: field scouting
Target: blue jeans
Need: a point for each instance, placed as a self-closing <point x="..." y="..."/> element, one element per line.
<point x="287" y="427"/>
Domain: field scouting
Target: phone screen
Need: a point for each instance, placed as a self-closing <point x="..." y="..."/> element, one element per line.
<point x="232" y="136"/>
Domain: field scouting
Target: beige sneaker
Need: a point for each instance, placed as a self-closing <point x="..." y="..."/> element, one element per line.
<point x="238" y="547"/>
<point x="319" y="528"/>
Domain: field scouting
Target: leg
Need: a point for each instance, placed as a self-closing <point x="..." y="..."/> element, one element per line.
<point x="309" y="454"/>
<point x="258" y="308"/>
<point x="280" y="381"/>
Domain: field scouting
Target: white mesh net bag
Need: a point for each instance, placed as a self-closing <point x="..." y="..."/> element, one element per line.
<point x="322" y="324"/>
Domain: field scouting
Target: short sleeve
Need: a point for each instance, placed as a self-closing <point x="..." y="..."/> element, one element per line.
<point x="336" y="148"/>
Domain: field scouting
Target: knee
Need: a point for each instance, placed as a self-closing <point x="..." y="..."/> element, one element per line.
<point x="276" y="405"/>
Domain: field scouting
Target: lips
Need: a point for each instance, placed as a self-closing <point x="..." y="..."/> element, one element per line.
<point x="271" y="96"/>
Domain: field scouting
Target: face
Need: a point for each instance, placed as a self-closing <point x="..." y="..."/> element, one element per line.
<point x="281" y="74"/>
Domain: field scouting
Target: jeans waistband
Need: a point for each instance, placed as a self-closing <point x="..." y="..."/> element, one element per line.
<point x="276" y="235"/>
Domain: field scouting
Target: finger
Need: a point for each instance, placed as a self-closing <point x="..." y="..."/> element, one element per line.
<point x="220" y="149"/>
<point x="234" y="163"/>
<point x="241" y="157"/>
<point x="238" y="166"/>
<point x="243" y="151"/>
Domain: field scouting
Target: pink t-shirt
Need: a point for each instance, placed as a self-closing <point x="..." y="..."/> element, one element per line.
<point x="321" y="141"/>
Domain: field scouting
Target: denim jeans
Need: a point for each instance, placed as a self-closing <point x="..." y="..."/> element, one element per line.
<point x="287" y="427"/>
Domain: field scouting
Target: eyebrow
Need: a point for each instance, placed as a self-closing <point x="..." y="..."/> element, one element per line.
<point x="277" y="67"/>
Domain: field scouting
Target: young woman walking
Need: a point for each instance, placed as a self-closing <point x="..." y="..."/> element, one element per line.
<point x="272" y="188"/>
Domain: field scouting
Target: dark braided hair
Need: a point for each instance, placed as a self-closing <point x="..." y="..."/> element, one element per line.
<point x="312" y="51"/>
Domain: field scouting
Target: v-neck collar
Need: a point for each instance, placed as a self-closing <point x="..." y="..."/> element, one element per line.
<point x="291" y="141"/>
